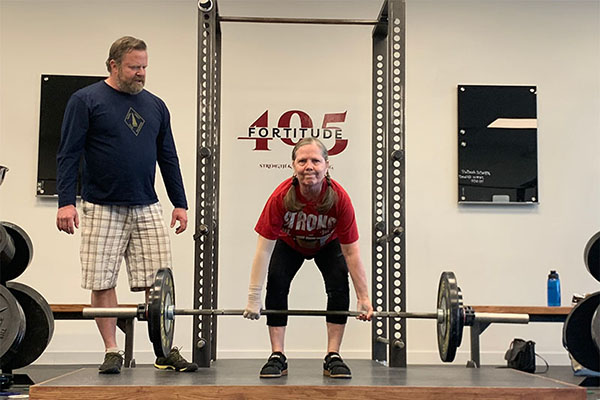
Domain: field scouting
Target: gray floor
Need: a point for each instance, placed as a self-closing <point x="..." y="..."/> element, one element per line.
<point x="306" y="372"/>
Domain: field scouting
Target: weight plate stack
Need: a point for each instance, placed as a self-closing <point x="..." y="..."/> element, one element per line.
<point x="39" y="326"/>
<point x="12" y="324"/>
<point x="13" y="266"/>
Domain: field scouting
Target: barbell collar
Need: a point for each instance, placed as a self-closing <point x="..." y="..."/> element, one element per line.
<point x="142" y="312"/>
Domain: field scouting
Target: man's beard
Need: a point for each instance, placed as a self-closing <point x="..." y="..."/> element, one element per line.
<point x="131" y="86"/>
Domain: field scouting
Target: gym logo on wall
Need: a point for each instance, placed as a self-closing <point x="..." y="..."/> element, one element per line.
<point x="134" y="121"/>
<point x="262" y="134"/>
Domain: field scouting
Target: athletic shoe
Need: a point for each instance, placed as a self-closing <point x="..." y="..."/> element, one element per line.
<point x="112" y="364"/>
<point x="275" y="367"/>
<point x="175" y="361"/>
<point x="335" y="367"/>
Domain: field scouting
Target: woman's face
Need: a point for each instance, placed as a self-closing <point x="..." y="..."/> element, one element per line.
<point x="310" y="166"/>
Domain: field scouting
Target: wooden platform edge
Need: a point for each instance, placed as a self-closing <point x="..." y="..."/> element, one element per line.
<point x="301" y="392"/>
<point x="532" y="310"/>
<point x="73" y="308"/>
<point x="60" y="376"/>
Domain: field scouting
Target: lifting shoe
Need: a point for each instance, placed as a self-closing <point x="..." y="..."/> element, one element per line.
<point x="335" y="367"/>
<point x="275" y="367"/>
<point x="175" y="361"/>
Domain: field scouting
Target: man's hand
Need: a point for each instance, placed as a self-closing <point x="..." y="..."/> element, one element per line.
<point x="67" y="219"/>
<point x="179" y="214"/>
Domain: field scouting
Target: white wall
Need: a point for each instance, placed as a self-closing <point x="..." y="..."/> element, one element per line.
<point x="73" y="38"/>
<point x="501" y="255"/>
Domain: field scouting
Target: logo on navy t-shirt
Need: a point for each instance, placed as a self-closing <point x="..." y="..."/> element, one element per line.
<point x="134" y="121"/>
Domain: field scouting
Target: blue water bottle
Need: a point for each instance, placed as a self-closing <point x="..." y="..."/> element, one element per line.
<point x="553" y="289"/>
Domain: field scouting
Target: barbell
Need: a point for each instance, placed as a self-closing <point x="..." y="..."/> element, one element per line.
<point x="160" y="312"/>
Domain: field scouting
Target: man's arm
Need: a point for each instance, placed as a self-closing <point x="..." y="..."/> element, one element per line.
<point x="72" y="141"/>
<point x="168" y="163"/>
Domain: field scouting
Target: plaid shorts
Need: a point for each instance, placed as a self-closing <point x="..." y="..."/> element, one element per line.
<point x="110" y="233"/>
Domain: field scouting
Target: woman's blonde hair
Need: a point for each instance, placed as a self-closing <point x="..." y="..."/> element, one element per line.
<point x="291" y="202"/>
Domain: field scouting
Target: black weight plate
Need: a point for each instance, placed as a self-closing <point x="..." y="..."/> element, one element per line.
<point x="462" y="317"/>
<point x="449" y="331"/>
<point x="161" y="328"/>
<point x="22" y="255"/>
<point x="40" y="326"/>
<point x="596" y="328"/>
<point x="577" y="333"/>
<point x="7" y="247"/>
<point x="591" y="256"/>
<point x="12" y="323"/>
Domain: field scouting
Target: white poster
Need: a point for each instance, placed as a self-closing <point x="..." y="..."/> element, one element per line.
<point x="281" y="83"/>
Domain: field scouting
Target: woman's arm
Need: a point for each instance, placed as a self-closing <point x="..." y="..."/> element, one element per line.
<point x="359" y="279"/>
<point x="260" y="265"/>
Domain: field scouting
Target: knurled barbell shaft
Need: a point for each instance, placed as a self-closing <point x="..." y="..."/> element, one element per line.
<point x="131" y="312"/>
<point x="307" y="313"/>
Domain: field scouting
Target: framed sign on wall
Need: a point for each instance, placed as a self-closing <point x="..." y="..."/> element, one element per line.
<point x="497" y="145"/>
<point x="55" y="93"/>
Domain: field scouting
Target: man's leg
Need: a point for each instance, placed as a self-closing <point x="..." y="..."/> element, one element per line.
<point x="148" y="250"/>
<point x="104" y="236"/>
<point x="113" y="358"/>
<point x="106" y="326"/>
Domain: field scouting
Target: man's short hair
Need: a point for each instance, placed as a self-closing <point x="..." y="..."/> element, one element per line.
<point x="123" y="46"/>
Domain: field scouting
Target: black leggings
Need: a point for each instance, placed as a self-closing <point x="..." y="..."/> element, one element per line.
<point x="285" y="263"/>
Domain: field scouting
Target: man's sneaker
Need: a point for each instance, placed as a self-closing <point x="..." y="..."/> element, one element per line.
<point x="275" y="367"/>
<point x="335" y="367"/>
<point x="112" y="364"/>
<point x="175" y="361"/>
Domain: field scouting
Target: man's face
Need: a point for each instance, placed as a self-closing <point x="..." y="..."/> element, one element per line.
<point x="131" y="74"/>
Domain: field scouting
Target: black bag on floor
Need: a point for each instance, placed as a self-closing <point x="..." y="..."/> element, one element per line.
<point x="521" y="355"/>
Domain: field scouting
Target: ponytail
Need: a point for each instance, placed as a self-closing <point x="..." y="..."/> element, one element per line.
<point x="290" y="201"/>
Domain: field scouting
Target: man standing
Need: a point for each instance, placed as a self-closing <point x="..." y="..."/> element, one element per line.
<point x="121" y="131"/>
